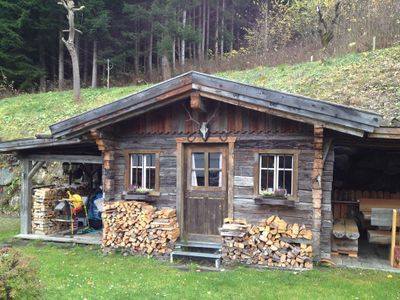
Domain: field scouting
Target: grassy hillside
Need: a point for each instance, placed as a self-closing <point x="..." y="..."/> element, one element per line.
<point x="366" y="80"/>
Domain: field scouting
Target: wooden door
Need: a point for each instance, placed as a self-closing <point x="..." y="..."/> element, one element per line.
<point x="205" y="196"/>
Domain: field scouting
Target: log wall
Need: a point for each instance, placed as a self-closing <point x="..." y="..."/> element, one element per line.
<point x="254" y="132"/>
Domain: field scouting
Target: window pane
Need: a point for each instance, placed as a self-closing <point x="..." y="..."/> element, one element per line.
<point x="288" y="182"/>
<point x="267" y="180"/>
<point x="267" y="161"/>
<point x="288" y="162"/>
<point x="281" y="180"/>
<point x="214" y="178"/>
<point x="150" y="160"/>
<point x="137" y="160"/>
<point x="151" y="178"/>
<point x="198" y="178"/>
<point x="136" y="177"/>
<point x="285" y="181"/>
<point x="214" y="160"/>
<point x="198" y="161"/>
<point x="281" y="163"/>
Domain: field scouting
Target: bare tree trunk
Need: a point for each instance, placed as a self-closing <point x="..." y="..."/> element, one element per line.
<point x="216" y="31"/>
<point x="150" y="59"/>
<point x="208" y="30"/>
<point x="183" y="40"/>
<point x="200" y="44"/>
<point x="94" y="67"/>
<point x="77" y="47"/>
<point x="266" y="28"/>
<point x="137" y="52"/>
<point x="42" y="62"/>
<point x="232" y="28"/>
<point x="174" y="55"/>
<point x="85" y="61"/>
<point x="166" y="69"/>
<point x="60" y="62"/>
<point x="222" y="28"/>
<point x="203" y="26"/>
<point x="70" y="44"/>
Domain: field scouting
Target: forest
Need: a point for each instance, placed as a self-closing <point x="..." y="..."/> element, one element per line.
<point x="141" y="41"/>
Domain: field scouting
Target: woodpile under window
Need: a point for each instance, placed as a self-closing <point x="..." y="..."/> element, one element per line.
<point x="272" y="243"/>
<point x="137" y="227"/>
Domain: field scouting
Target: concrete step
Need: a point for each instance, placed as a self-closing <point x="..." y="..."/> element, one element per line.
<point x="216" y="257"/>
<point x="199" y="245"/>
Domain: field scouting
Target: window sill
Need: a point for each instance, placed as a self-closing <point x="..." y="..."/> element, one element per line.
<point x="154" y="194"/>
<point x="274" y="201"/>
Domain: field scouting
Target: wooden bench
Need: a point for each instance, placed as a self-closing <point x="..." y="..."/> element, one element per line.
<point x="387" y="217"/>
<point x="366" y="205"/>
<point x="380" y="217"/>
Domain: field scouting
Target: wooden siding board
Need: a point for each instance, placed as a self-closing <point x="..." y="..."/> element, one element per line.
<point x="124" y="103"/>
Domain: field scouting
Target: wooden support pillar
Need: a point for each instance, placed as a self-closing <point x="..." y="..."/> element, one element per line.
<point x="26" y="197"/>
<point x="107" y="147"/>
<point x="318" y="168"/>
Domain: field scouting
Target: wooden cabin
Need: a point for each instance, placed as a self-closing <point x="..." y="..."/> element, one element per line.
<point x="208" y="147"/>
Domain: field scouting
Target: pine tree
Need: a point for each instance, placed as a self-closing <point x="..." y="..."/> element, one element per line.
<point x="15" y="65"/>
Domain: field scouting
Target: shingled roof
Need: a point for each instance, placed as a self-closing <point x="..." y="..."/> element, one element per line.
<point x="334" y="116"/>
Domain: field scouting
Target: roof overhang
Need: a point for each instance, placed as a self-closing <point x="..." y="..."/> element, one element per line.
<point x="316" y="112"/>
<point x="391" y="133"/>
<point x="27" y="144"/>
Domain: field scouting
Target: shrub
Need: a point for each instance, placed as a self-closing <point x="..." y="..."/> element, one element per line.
<point x="18" y="276"/>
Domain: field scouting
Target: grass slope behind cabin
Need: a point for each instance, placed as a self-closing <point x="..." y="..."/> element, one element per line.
<point x="78" y="272"/>
<point x="368" y="80"/>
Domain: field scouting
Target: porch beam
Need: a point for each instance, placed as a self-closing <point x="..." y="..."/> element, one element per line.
<point x="35" y="168"/>
<point x="89" y="159"/>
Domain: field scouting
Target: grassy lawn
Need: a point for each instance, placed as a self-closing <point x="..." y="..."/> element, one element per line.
<point x="368" y="80"/>
<point x="77" y="272"/>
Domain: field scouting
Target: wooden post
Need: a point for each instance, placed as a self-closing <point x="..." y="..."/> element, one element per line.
<point x="318" y="167"/>
<point x="106" y="145"/>
<point x="26" y="197"/>
<point x="373" y="43"/>
<point x="393" y="241"/>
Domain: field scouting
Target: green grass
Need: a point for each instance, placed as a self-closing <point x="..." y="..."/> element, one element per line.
<point x="368" y="80"/>
<point x="29" y="114"/>
<point x="77" y="272"/>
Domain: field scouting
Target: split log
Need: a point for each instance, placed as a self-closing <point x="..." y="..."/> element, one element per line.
<point x="339" y="228"/>
<point x="352" y="232"/>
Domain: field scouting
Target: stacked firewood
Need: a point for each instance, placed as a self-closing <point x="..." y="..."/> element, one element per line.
<point x="43" y="214"/>
<point x="43" y="205"/>
<point x="138" y="227"/>
<point x="272" y="242"/>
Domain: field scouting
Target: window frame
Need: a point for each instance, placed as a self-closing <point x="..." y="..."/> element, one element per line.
<point x="276" y="153"/>
<point x="207" y="150"/>
<point x="128" y="168"/>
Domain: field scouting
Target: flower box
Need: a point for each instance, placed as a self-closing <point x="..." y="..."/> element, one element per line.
<point x="274" y="201"/>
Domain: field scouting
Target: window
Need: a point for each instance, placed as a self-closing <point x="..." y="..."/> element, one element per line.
<point x="277" y="172"/>
<point x="206" y="169"/>
<point x="143" y="170"/>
